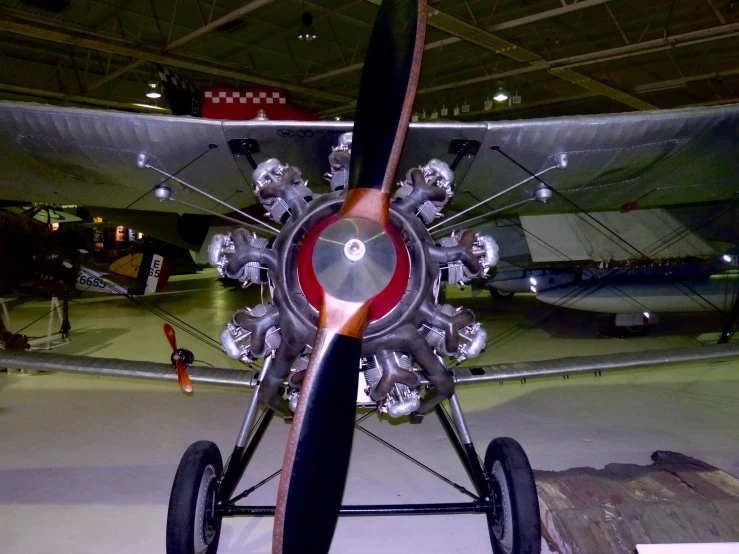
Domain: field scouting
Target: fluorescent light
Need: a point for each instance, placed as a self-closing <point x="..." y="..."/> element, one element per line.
<point x="533" y="288"/>
<point x="153" y="94"/>
<point x="727" y="258"/>
<point x="532" y="281"/>
<point x="646" y="314"/>
<point x="150" y="106"/>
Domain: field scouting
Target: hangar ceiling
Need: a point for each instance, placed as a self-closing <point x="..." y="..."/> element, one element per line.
<point x="561" y="57"/>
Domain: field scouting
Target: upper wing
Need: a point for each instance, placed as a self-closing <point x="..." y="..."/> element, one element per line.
<point x="653" y="159"/>
<point x="88" y="157"/>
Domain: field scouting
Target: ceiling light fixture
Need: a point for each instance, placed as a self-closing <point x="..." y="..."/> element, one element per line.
<point x="502" y="94"/>
<point x="153" y="91"/>
<point x="306" y="31"/>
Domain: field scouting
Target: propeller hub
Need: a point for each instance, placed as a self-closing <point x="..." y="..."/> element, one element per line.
<point x="354" y="249"/>
<point x="354" y="259"/>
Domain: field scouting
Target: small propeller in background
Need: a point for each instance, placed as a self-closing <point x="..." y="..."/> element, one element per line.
<point x="181" y="358"/>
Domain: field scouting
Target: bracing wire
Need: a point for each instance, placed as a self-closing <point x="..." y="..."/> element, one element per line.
<point x="603" y="225"/>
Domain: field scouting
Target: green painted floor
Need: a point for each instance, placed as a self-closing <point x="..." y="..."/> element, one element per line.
<point x="87" y="463"/>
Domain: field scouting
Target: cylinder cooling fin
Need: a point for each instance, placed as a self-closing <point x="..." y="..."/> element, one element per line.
<point x="409" y="334"/>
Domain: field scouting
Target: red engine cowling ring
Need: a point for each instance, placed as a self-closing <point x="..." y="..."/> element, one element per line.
<point x="380" y="305"/>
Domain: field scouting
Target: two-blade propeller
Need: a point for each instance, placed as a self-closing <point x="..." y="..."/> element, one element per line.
<point x="182" y="377"/>
<point x="354" y="259"/>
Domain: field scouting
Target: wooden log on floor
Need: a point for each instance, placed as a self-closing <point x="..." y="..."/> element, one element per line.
<point x="609" y="511"/>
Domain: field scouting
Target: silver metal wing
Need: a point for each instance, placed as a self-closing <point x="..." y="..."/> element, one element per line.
<point x="88" y="157"/>
<point x="238" y="378"/>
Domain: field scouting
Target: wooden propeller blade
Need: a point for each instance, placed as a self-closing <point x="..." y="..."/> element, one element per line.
<point x="183" y="378"/>
<point x="169" y="332"/>
<point x="386" y="93"/>
<point x="318" y="450"/>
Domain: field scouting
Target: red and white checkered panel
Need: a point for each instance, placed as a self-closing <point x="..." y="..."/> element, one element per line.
<point x="244" y="97"/>
<point x="224" y="102"/>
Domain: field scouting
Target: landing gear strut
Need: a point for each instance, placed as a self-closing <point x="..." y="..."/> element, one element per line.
<point x="503" y="487"/>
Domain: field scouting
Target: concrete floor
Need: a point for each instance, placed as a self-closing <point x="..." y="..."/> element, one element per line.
<point x="87" y="463"/>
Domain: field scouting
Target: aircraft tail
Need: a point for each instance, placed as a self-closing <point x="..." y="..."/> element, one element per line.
<point x="150" y="271"/>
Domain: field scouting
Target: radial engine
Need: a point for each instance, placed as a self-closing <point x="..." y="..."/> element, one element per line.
<point x="410" y="335"/>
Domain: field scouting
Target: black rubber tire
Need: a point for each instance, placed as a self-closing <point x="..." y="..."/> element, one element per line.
<point x="200" y="458"/>
<point x="524" y="537"/>
<point x="498" y="294"/>
<point x="637" y="331"/>
<point x="629" y="331"/>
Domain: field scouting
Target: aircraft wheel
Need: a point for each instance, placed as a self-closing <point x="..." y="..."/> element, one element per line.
<point x="516" y="527"/>
<point x="637" y="330"/>
<point x="498" y="294"/>
<point x="192" y="526"/>
<point x="628" y="330"/>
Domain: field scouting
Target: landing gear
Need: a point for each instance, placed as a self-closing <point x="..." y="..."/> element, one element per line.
<point x="502" y="488"/>
<point x="193" y="526"/>
<point x="635" y="329"/>
<point x="515" y="524"/>
<point x="498" y="294"/>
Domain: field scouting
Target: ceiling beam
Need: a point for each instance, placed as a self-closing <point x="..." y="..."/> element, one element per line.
<point x="717" y="13"/>
<point x="648" y="87"/>
<point x="117" y="73"/>
<point x="474" y="34"/>
<point x="600" y="88"/>
<point x="549" y="14"/>
<point x="471" y="33"/>
<point x="228" y="18"/>
<point x="647" y="47"/>
<point x="122" y="48"/>
<point x="205" y="29"/>
<point x="76" y="99"/>
<point x="678" y="83"/>
<point x="541" y="16"/>
<point x="339" y="110"/>
<point x="539" y="103"/>
<point x="734" y="100"/>
<point x="615" y="22"/>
